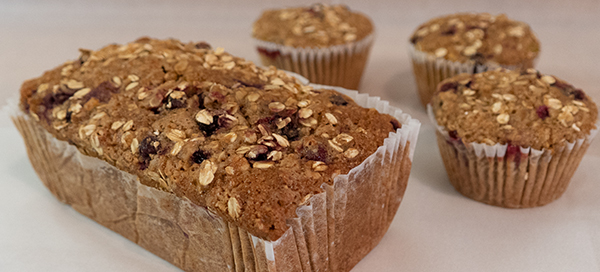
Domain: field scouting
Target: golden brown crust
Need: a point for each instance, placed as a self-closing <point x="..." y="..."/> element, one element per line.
<point x="250" y="144"/>
<point x="525" y="109"/>
<point x="479" y="38"/>
<point x="315" y="26"/>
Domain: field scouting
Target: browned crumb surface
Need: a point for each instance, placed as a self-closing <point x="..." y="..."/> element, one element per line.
<point x="248" y="143"/>
<point x="478" y="37"/>
<point x="316" y="26"/>
<point x="523" y="109"/>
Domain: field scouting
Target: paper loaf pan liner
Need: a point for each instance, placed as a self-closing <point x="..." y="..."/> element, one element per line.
<point x="515" y="177"/>
<point x="338" y="65"/>
<point x="332" y="233"/>
<point x="430" y="70"/>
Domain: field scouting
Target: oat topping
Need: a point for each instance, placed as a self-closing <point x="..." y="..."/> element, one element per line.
<point x="478" y="38"/>
<point x="244" y="141"/>
<point x="523" y="109"/>
<point x="319" y="25"/>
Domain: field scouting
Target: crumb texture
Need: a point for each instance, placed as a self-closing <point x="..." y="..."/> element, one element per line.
<point x="525" y="109"/>
<point x="478" y="38"/>
<point x="316" y="26"/>
<point x="250" y="144"/>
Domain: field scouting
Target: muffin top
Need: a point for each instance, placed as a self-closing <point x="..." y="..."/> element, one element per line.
<point x="250" y="144"/>
<point x="319" y="25"/>
<point x="524" y="109"/>
<point x="479" y="38"/>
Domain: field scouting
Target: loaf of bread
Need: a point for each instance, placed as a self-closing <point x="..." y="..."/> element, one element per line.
<point x="213" y="163"/>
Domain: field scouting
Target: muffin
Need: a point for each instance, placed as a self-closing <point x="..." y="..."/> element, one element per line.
<point x="211" y="162"/>
<point x="512" y="139"/>
<point x="468" y="43"/>
<point x="326" y="44"/>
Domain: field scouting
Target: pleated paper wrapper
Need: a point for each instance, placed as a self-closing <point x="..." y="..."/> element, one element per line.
<point x="430" y="71"/>
<point x="333" y="232"/>
<point x="338" y="65"/>
<point x="523" y="177"/>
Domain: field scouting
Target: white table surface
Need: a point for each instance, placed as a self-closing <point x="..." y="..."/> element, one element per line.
<point x="435" y="229"/>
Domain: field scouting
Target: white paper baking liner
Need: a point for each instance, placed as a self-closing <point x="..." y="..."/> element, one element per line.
<point x="430" y="70"/>
<point x="332" y="233"/>
<point x="487" y="173"/>
<point x="338" y="65"/>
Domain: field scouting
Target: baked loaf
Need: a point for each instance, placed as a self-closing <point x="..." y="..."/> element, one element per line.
<point x="250" y="144"/>
<point x="213" y="163"/>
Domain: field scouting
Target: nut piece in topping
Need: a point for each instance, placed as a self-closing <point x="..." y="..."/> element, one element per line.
<point x="177" y="148"/>
<point x="81" y="93"/>
<point x="116" y="125"/>
<point x="335" y="146"/>
<point x="351" y="153"/>
<point x="319" y="166"/>
<point x="276" y="106"/>
<point x="127" y="126"/>
<point x="331" y="118"/>
<point x="283" y="142"/>
<point x="503" y="118"/>
<point x="233" y="207"/>
<point x="305" y="113"/>
<point x="204" y="117"/>
<point x="207" y="173"/>
<point x="441" y="52"/>
<point x="262" y="165"/>
<point x="131" y="85"/>
<point x="134" y="146"/>
<point x="548" y="79"/>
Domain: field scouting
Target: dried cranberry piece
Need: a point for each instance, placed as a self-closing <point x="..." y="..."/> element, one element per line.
<point x="199" y="156"/>
<point x="515" y="152"/>
<point x="225" y="121"/>
<point x="578" y="94"/>
<point x="202" y="45"/>
<point x="468" y="84"/>
<point x="173" y="103"/>
<point x="103" y="92"/>
<point x="449" y="31"/>
<point x="563" y="85"/>
<point x="414" y="39"/>
<point x="266" y="121"/>
<point x="395" y="124"/>
<point x="258" y="153"/>
<point x="201" y="101"/>
<point x="511" y="150"/>
<point x="315" y="153"/>
<point x="272" y="54"/>
<point x="189" y="90"/>
<point x="291" y="131"/>
<point x="147" y="148"/>
<point x="54" y="99"/>
<point x="210" y="129"/>
<point x="337" y="99"/>
<point x="451" y="85"/>
<point x="453" y="134"/>
<point x="542" y="112"/>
